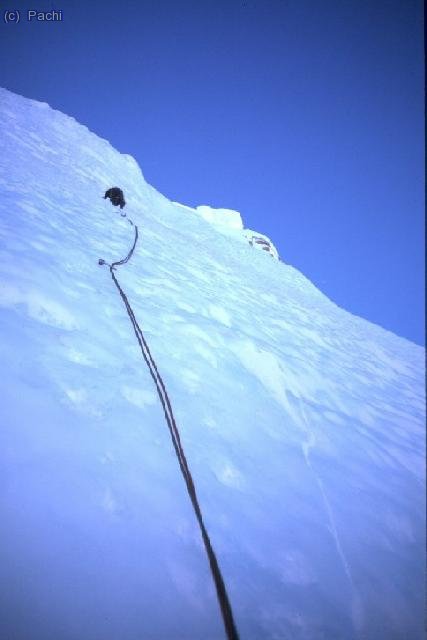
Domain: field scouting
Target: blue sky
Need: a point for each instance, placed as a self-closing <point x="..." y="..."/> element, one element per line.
<point x="306" y="116"/>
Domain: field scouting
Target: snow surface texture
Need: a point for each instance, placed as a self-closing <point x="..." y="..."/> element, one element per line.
<point x="229" y="222"/>
<point x="303" y="425"/>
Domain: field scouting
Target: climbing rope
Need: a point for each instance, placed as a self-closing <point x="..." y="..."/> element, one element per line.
<point x="224" y="603"/>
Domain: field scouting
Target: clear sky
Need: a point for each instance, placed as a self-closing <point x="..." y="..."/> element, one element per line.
<point x="306" y="116"/>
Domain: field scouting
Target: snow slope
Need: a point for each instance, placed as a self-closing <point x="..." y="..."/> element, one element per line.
<point x="229" y="222"/>
<point x="303" y="425"/>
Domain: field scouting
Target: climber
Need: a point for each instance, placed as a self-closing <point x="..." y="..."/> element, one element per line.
<point x="116" y="196"/>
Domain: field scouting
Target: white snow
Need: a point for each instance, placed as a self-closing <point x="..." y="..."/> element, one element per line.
<point x="302" y="424"/>
<point x="225" y="218"/>
<point x="229" y="222"/>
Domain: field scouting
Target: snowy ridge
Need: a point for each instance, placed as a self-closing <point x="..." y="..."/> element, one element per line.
<point x="229" y="222"/>
<point x="222" y="219"/>
<point x="302" y="424"/>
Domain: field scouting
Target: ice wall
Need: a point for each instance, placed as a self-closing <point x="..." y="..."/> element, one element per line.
<point x="303" y="425"/>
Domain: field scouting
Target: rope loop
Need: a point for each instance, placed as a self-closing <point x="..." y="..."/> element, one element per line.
<point x="223" y="600"/>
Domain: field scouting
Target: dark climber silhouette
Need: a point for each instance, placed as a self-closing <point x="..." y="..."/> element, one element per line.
<point x="116" y="196"/>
